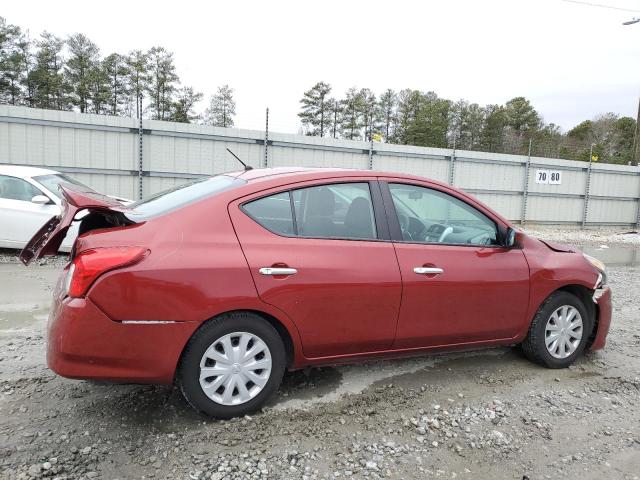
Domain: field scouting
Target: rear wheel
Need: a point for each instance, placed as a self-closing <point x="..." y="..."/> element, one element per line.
<point x="232" y="365"/>
<point x="559" y="331"/>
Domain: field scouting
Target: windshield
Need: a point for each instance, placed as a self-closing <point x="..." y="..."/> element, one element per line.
<point x="181" y="195"/>
<point x="52" y="181"/>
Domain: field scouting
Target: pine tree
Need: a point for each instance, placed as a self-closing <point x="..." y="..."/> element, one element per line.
<point x="46" y="78"/>
<point x="81" y="69"/>
<point x="369" y="113"/>
<point x="186" y="98"/>
<point x="409" y="102"/>
<point x="316" y="110"/>
<point x="13" y="47"/>
<point x="335" y="117"/>
<point x="492" y="134"/>
<point x="137" y="64"/>
<point x="387" y="112"/>
<point x="352" y="114"/>
<point x="163" y="82"/>
<point x="99" y="89"/>
<point x="429" y="129"/>
<point x="116" y="71"/>
<point x="221" y="109"/>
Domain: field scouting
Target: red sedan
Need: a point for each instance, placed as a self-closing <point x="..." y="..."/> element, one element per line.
<point x="221" y="284"/>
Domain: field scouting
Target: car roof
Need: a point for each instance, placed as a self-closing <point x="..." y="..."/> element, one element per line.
<point x="284" y="175"/>
<point x="24" y="171"/>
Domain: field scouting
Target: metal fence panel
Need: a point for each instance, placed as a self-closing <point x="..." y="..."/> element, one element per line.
<point x="103" y="151"/>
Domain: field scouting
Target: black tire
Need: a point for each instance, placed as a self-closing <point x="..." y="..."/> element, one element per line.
<point x="188" y="375"/>
<point x="534" y="346"/>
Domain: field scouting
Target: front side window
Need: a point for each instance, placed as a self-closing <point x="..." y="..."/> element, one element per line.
<point x="430" y="216"/>
<point x="13" y="188"/>
<point x="53" y="181"/>
<point x="340" y="210"/>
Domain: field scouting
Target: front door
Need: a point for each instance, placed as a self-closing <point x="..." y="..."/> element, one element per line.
<point x="20" y="218"/>
<point x="459" y="285"/>
<point x="316" y="254"/>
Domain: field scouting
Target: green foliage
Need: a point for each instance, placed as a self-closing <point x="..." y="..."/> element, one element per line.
<point x="47" y="84"/>
<point x="12" y="63"/>
<point x="387" y="106"/>
<point x="222" y="108"/>
<point x="116" y="70"/>
<point x="316" y="109"/>
<point x="163" y="82"/>
<point x="183" y="105"/>
<point x="351" y="116"/>
<point x="81" y="69"/>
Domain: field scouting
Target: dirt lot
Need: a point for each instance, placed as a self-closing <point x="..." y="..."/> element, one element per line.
<point x="488" y="414"/>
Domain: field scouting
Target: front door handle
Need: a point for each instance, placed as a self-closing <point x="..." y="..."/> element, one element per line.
<point x="277" y="271"/>
<point x="428" y="270"/>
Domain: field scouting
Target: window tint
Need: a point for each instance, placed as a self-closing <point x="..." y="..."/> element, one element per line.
<point x="14" y="188"/>
<point x="430" y="216"/>
<point x="273" y="213"/>
<point x="335" y="211"/>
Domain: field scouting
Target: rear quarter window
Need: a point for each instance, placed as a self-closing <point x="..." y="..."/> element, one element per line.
<point x="273" y="213"/>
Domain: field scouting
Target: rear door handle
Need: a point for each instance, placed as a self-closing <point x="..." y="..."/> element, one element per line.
<point x="277" y="271"/>
<point x="428" y="270"/>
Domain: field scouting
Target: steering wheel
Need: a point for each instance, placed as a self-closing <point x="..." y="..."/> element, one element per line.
<point x="445" y="233"/>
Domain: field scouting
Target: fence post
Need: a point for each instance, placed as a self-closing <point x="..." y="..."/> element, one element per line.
<point x="525" y="189"/>
<point x="452" y="163"/>
<point x="585" y="211"/>
<point x="266" y="140"/>
<point x="638" y="214"/>
<point x="140" y="134"/>
<point x="371" y="153"/>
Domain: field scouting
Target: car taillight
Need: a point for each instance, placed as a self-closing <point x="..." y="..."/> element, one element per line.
<point x="90" y="264"/>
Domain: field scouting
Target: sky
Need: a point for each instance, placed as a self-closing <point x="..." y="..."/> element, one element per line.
<point x="573" y="61"/>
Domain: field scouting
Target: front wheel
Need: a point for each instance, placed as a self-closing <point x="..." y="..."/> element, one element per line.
<point x="232" y="365"/>
<point x="558" y="332"/>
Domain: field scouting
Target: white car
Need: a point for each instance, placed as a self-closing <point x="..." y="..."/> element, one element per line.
<point x="28" y="198"/>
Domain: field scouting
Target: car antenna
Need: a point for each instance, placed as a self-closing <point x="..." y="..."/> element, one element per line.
<point x="246" y="167"/>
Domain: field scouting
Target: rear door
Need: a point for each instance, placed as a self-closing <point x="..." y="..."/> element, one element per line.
<point x="459" y="285"/>
<point x="320" y="253"/>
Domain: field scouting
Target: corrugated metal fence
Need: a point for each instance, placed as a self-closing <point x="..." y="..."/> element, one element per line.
<point x="103" y="152"/>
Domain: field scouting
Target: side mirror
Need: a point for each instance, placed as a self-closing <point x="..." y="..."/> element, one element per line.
<point x="41" y="200"/>
<point x="510" y="238"/>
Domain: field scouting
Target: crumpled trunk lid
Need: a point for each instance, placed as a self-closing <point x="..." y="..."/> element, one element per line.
<point x="75" y="198"/>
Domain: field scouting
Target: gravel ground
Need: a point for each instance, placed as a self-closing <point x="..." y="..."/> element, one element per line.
<point x="488" y="414"/>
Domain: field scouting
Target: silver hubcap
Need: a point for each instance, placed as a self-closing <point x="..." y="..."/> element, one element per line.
<point x="235" y="368"/>
<point x="563" y="331"/>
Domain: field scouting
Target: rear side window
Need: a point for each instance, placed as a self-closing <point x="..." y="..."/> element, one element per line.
<point x="181" y="195"/>
<point x="273" y="213"/>
<point x="326" y="211"/>
<point x="13" y="188"/>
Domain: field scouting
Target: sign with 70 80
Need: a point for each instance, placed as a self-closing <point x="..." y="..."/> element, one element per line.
<point x="553" y="177"/>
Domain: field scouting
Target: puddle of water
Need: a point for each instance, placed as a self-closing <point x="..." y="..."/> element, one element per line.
<point x="615" y="255"/>
<point x="354" y="379"/>
<point x="17" y="317"/>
